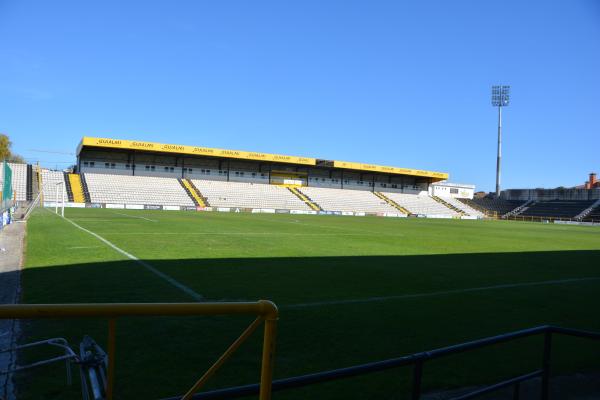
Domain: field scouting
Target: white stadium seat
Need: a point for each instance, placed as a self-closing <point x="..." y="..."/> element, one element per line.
<point x="49" y="181"/>
<point x="348" y="200"/>
<point x="248" y="195"/>
<point x="463" y="207"/>
<point x="139" y="190"/>
<point x="420" y="204"/>
<point x="19" y="180"/>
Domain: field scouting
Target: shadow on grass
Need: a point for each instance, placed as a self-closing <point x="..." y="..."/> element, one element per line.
<point x="160" y="357"/>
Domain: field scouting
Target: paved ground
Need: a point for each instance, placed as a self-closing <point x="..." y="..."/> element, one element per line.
<point x="11" y="259"/>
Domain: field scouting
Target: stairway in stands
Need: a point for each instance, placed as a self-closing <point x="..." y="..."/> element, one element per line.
<point x="73" y="182"/>
<point x="309" y="202"/>
<point x="68" y="187"/>
<point x="594" y="214"/>
<point x="523" y="207"/>
<point x="35" y="181"/>
<point x="392" y="203"/>
<point x="589" y="210"/>
<point x="494" y="207"/>
<point x="84" y="186"/>
<point x="194" y="193"/>
<point x="450" y="206"/>
<point x="476" y="206"/>
<point x="29" y="195"/>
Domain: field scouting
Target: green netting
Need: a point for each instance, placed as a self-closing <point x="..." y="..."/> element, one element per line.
<point x="7" y="184"/>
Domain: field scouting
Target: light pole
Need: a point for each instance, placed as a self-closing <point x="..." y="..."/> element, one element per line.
<point x="500" y="98"/>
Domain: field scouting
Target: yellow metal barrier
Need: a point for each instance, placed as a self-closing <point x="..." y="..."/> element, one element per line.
<point x="265" y="311"/>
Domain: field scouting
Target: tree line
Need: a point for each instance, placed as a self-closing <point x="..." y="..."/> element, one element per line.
<point x="6" y="152"/>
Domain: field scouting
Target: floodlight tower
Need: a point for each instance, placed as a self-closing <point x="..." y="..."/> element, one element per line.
<point x="500" y="98"/>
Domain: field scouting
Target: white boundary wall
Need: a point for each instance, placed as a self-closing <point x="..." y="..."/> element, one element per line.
<point x="116" y="206"/>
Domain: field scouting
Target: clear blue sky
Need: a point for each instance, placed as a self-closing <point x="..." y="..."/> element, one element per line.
<point x="393" y="83"/>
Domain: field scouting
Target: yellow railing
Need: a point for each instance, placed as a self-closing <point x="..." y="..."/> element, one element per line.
<point x="448" y="205"/>
<point x="76" y="188"/>
<point x="40" y="183"/>
<point x="194" y="192"/>
<point x="304" y="198"/>
<point x="265" y="311"/>
<point x="487" y="212"/>
<point x="391" y="202"/>
<point x="535" y="218"/>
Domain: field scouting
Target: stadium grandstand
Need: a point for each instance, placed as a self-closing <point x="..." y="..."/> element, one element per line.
<point x="116" y="173"/>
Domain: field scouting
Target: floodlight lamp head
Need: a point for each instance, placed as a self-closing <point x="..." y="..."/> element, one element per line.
<point x="500" y="95"/>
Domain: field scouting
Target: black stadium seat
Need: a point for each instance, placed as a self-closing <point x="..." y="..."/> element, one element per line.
<point x="556" y="208"/>
<point x="499" y="206"/>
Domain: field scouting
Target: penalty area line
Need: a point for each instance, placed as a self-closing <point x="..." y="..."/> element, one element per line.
<point x="144" y="264"/>
<point x="134" y="216"/>
<point x="435" y="294"/>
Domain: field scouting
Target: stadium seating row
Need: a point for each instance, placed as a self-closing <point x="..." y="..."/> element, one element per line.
<point x="49" y="181"/>
<point x="556" y="208"/>
<point x="494" y="206"/>
<point x="347" y="200"/>
<point x="248" y="195"/>
<point x="464" y="207"/>
<point x="594" y="215"/>
<point x="122" y="189"/>
<point x="19" y="179"/>
<point x="418" y="204"/>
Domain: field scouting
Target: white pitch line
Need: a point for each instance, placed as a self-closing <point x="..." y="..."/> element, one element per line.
<point x="95" y="219"/>
<point x="240" y="233"/>
<point x="134" y="216"/>
<point x="434" y="294"/>
<point x="149" y="267"/>
<point x="82" y="247"/>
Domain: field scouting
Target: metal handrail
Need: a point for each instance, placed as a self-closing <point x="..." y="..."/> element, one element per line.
<point x="61" y="343"/>
<point x="538" y="218"/>
<point x="265" y="311"/>
<point x="6" y="204"/>
<point x="417" y="360"/>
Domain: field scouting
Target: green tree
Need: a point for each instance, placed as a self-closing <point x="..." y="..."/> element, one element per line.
<point x="5" y="144"/>
<point x="6" y="153"/>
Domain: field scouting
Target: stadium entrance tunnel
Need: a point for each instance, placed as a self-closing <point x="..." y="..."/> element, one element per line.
<point x="334" y="312"/>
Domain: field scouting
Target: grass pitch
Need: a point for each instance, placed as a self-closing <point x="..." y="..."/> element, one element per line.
<point x="350" y="290"/>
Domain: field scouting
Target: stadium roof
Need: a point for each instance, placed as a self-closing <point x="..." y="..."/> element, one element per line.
<point x="249" y="155"/>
